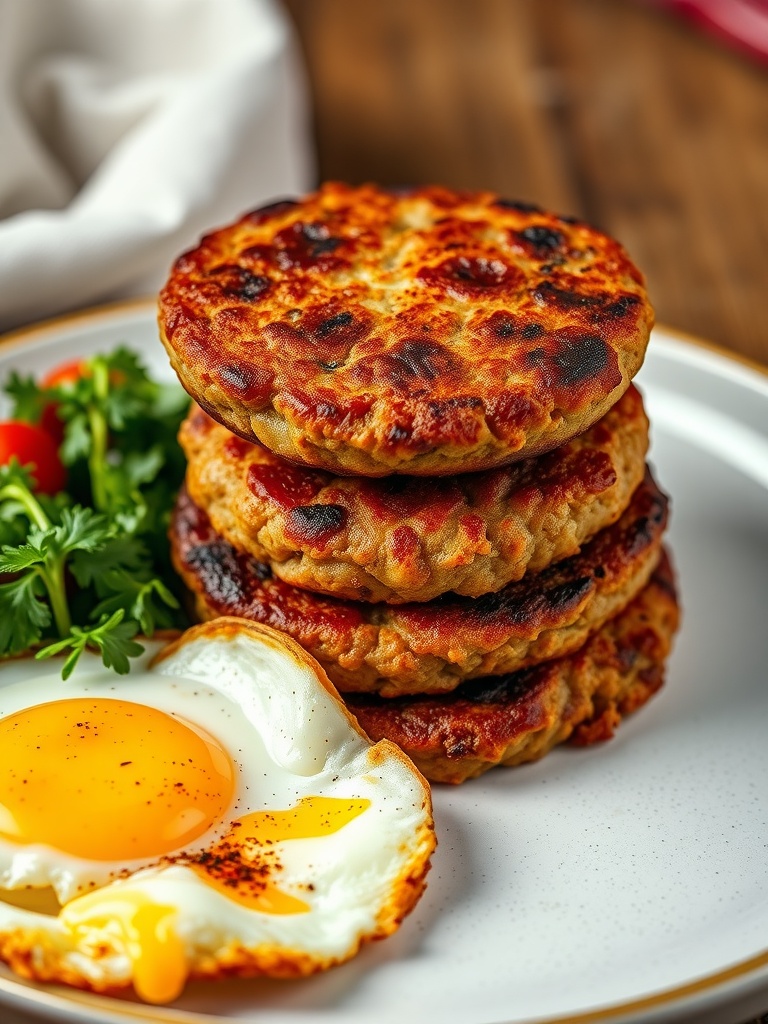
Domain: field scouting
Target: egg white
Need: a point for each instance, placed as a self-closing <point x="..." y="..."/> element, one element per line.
<point x="289" y="737"/>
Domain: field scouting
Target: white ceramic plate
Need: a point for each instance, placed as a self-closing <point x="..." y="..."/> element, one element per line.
<point x="625" y="882"/>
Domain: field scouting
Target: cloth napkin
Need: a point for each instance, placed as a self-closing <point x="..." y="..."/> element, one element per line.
<point x="128" y="128"/>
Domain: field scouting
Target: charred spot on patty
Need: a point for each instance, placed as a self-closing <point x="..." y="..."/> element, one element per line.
<point x="579" y="359"/>
<point x="318" y="334"/>
<point x="217" y="567"/>
<point x="504" y="328"/>
<point x="531" y="331"/>
<point x="508" y="688"/>
<point x="516" y="606"/>
<point x="333" y="331"/>
<point x="540" y="241"/>
<point x="548" y="294"/>
<point x="599" y="307"/>
<point x="468" y="276"/>
<point x="477" y="271"/>
<point x="424" y="359"/>
<point x="621" y="306"/>
<point x="245" y="381"/>
<point x="333" y="323"/>
<point x="305" y="245"/>
<point x="315" y="524"/>
<point x="253" y="286"/>
<point x="519" y="205"/>
<point x="239" y="283"/>
<point x="500" y="326"/>
<point x="568" y="595"/>
<point x="264" y="213"/>
<point x="454" y="420"/>
<point x="319" y="241"/>
<point x="646" y="527"/>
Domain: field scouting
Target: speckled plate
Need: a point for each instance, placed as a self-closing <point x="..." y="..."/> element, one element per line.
<point x="625" y="882"/>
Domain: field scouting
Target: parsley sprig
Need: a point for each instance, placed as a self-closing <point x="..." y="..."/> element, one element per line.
<point x="89" y="569"/>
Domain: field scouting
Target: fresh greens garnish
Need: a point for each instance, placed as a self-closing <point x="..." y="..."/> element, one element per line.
<point x="89" y="568"/>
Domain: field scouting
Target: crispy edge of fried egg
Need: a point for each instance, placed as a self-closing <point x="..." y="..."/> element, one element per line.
<point x="38" y="947"/>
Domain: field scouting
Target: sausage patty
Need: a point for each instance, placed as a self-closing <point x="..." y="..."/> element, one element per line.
<point x="368" y="331"/>
<point x="431" y="647"/>
<point x="515" y="718"/>
<point x="402" y="539"/>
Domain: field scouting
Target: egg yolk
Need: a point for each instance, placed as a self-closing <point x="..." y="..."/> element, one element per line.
<point x="147" y="930"/>
<point x="239" y="867"/>
<point x="108" y="779"/>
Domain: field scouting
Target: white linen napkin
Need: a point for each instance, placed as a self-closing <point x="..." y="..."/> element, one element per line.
<point x="129" y="127"/>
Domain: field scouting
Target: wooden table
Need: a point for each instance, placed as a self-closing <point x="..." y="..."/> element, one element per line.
<point x="608" y="109"/>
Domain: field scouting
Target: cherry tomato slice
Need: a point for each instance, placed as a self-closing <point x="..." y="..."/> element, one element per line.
<point x="66" y="373"/>
<point x="51" y="423"/>
<point x="35" y="446"/>
<point x="63" y="374"/>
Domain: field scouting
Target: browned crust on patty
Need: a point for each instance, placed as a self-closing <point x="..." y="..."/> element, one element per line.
<point x="402" y="538"/>
<point x="366" y="331"/>
<point x="432" y="647"/>
<point x="512" y="719"/>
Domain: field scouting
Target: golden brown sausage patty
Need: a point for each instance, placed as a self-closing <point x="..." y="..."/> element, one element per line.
<point x="367" y="331"/>
<point x="432" y="647"/>
<point x="516" y="718"/>
<point x="402" y="538"/>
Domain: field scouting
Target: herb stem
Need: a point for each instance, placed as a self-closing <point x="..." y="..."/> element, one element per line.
<point x="13" y="492"/>
<point x="99" y="435"/>
<point x="53" y="577"/>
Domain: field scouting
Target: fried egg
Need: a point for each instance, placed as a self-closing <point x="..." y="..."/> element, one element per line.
<point x="217" y="812"/>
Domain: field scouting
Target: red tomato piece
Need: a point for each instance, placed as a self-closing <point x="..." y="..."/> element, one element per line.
<point x="61" y="375"/>
<point x="33" y="446"/>
<point x="51" y="423"/>
<point x="66" y="373"/>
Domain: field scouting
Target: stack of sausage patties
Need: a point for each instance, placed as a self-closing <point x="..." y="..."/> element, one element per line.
<point x="417" y="450"/>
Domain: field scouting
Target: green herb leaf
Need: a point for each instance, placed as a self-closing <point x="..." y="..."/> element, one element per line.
<point x="147" y="602"/>
<point x="108" y="530"/>
<point x="24" y="615"/>
<point x="28" y="399"/>
<point x="141" y="468"/>
<point x="117" y="644"/>
<point x="16" y="559"/>
<point x="77" y="437"/>
<point x="80" y="529"/>
<point x="12" y="474"/>
<point x="121" y="552"/>
<point x="112" y="637"/>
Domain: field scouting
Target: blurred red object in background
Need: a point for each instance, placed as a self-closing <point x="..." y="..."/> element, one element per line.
<point x="743" y="22"/>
